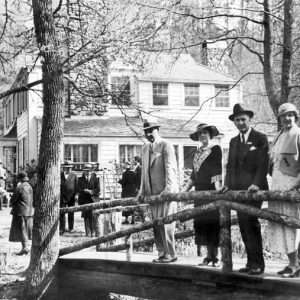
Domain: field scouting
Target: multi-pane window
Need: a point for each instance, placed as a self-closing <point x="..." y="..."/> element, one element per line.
<point x="120" y="87"/>
<point x="80" y="154"/>
<point x="222" y="98"/>
<point x="191" y="94"/>
<point x="160" y="94"/>
<point x="127" y="152"/>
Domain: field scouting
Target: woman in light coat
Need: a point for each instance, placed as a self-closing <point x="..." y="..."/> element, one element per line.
<point x="284" y="156"/>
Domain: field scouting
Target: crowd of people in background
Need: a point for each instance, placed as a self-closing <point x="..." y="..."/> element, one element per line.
<point x="249" y="162"/>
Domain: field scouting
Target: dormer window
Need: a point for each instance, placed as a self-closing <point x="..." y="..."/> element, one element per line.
<point x="120" y="87"/>
<point x="191" y="94"/>
<point x="222" y="98"/>
<point x="160" y="94"/>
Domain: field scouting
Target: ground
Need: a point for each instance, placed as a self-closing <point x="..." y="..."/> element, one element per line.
<point x="13" y="267"/>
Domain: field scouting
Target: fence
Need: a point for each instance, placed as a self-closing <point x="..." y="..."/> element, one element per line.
<point x="232" y="200"/>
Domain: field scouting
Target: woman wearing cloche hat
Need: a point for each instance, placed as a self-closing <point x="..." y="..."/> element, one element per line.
<point x="284" y="156"/>
<point x="206" y="175"/>
<point x="22" y="212"/>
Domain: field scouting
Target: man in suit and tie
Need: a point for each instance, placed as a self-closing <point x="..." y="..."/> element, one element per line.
<point x="68" y="188"/>
<point x="88" y="186"/>
<point x="159" y="176"/>
<point x="247" y="169"/>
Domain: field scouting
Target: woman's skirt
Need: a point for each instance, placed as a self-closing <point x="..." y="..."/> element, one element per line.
<point x="21" y="229"/>
<point x="282" y="238"/>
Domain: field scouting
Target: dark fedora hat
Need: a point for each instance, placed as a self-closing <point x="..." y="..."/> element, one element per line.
<point x="87" y="167"/>
<point x="22" y="176"/>
<point x="150" y="123"/>
<point x="238" y="109"/>
<point x="211" y="128"/>
<point x="67" y="164"/>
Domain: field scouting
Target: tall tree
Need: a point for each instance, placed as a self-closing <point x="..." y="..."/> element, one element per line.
<point x="45" y="243"/>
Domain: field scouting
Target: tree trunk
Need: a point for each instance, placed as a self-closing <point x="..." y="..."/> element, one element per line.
<point x="268" y="59"/>
<point x="45" y="243"/>
<point x="287" y="51"/>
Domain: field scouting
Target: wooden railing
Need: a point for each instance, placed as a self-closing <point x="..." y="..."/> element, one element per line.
<point x="232" y="200"/>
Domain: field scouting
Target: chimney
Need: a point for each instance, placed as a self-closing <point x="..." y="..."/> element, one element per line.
<point x="203" y="53"/>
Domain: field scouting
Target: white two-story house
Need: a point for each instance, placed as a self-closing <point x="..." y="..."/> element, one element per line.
<point x="179" y="92"/>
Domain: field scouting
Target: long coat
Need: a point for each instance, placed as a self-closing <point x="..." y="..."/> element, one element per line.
<point x="85" y="198"/>
<point x="22" y="211"/>
<point x="159" y="175"/>
<point x="68" y="188"/>
<point x="22" y="200"/>
<point x="129" y="183"/>
<point x="161" y="169"/>
<point x="253" y="160"/>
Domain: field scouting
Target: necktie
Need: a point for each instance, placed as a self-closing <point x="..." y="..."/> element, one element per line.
<point x="243" y="139"/>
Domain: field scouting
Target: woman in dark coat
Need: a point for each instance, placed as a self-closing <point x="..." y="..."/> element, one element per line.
<point x="129" y="186"/>
<point x="206" y="175"/>
<point x="22" y="212"/>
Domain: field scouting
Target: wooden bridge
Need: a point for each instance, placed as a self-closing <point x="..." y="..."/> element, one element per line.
<point x="93" y="275"/>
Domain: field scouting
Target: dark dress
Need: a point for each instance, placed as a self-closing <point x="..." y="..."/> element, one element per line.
<point x="129" y="186"/>
<point x="207" y="168"/>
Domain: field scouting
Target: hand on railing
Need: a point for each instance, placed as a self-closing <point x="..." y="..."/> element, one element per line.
<point x="223" y="189"/>
<point x="140" y="198"/>
<point x="253" y="188"/>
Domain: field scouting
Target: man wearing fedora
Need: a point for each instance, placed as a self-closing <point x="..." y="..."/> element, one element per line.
<point x="159" y="176"/>
<point x="88" y="186"/>
<point x="68" y="188"/>
<point x="247" y="169"/>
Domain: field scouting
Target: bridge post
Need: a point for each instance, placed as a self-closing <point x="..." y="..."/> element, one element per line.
<point x="129" y="247"/>
<point x="225" y="239"/>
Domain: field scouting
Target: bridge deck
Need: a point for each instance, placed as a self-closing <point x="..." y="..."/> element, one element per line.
<point x="90" y="271"/>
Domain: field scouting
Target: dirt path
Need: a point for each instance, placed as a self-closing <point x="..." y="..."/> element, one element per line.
<point x="12" y="275"/>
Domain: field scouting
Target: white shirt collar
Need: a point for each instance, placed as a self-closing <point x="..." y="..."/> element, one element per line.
<point x="246" y="135"/>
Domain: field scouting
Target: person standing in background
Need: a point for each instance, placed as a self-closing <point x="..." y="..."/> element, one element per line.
<point x="22" y="212"/>
<point x="129" y="185"/>
<point x="68" y="189"/>
<point x="88" y="186"/>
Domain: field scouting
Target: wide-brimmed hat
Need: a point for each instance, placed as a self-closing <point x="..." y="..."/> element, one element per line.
<point x="87" y="167"/>
<point x="238" y="109"/>
<point x="67" y="164"/>
<point x="211" y="128"/>
<point x="287" y="107"/>
<point x="22" y="176"/>
<point x="150" y="123"/>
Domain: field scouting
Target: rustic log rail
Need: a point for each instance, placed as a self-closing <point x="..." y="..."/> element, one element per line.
<point x="232" y="200"/>
<point x="191" y="197"/>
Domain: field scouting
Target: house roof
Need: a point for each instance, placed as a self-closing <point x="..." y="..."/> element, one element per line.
<point x="117" y="127"/>
<point x="182" y="68"/>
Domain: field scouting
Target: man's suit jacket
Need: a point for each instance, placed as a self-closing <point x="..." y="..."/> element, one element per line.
<point x="253" y="165"/>
<point x="162" y="169"/>
<point x="93" y="185"/>
<point x="22" y="200"/>
<point x="68" y="187"/>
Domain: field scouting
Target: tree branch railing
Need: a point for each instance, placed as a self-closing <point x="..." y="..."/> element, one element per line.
<point x="232" y="200"/>
<point x="190" y="197"/>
